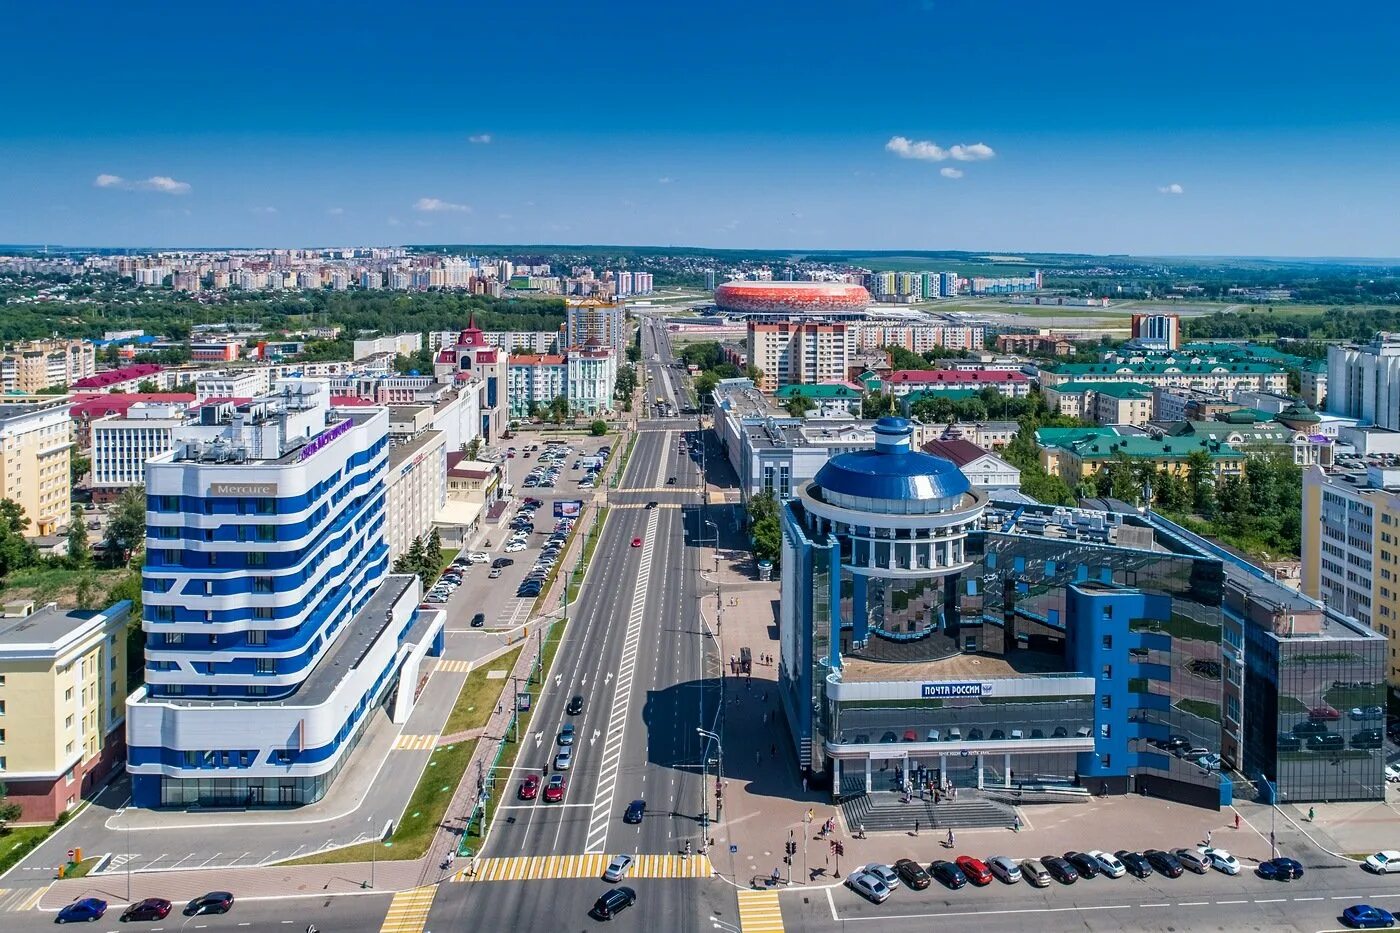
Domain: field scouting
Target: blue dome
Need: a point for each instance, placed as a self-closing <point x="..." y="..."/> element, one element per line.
<point x="893" y="470"/>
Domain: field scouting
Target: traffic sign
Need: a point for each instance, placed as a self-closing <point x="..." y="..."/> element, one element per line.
<point x="733" y="848"/>
<point x="71" y="853"/>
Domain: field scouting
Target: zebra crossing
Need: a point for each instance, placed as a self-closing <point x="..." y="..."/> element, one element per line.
<point x="408" y="912"/>
<point x="415" y="743"/>
<point x="622" y="702"/>
<point x="759" y="912"/>
<point x="14" y="900"/>
<point x="454" y="666"/>
<point x="588" y="865"/>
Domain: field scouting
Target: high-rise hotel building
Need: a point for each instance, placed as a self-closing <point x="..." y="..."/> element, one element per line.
<point x="274" y="632"/>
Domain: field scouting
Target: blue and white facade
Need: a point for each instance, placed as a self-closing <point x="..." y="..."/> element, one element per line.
<point x="273" y="628"/>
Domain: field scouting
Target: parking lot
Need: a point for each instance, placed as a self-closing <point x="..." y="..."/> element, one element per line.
<point x="522" y="548"/>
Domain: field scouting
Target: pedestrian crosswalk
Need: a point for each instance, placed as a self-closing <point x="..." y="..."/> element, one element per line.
<point x="408" y="912"/>
<point x="589" y="865"/>
<point x="454" y="666"/>
<point x="416" y="742"/>
<point x="18" y="899"/>
<point x="759" y="912"/>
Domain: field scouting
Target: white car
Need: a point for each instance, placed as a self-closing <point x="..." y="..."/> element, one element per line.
<point x="1223" y="861"/>
<point x="1384" y="862"/>
<point x="515" y="546"/>
<point x="478" y="557"/>
<point x="868" y="885"/>
<point x="885" y="873"/>
<point x="1392" y="773"/>
<point x="617" y="869"/>
<point x="1107" y="863"/>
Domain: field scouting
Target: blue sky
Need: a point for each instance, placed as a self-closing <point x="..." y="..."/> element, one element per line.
<point x="1187" y="128"/>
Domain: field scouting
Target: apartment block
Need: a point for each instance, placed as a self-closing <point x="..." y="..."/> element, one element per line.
<point x="62" y="704"/>
<point x="1364" y="381"/>
<point x="37" y="365"/>
<point x="121" y="445"/>
<point x="36" y="437"/>
<point x="797" y="352"/>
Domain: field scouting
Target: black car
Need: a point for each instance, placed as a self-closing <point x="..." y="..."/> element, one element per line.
<point x="575" y="705"/>
<point x="152" y="908"/>
<point x="1332" y="742"/>
<point x="613" y="903"/>
<point x="1289" y="743"/>
<point x="889" y="737"/>
<point x="1164" y="862"/>
<point x="1086" y="866"/>
<point x="215" y="902"/>
<point x="912" y="874"/>
<point x="651" y="504"/>
<point x="948" y="874"/>
<point x="635" y="811"/>
<point x="1368" y="738"/>
<point x="502" y="562"/>
<point x="1309" y="727"/>
<point x="1135" y="862"/>
<point x="1059" y="869"/>
<point x="670" y="481"/>
<point x="974" y="734"/>
<point x="479" y="620"/>
<point x="998" y="735"/>
<point x="1280" y="869"/>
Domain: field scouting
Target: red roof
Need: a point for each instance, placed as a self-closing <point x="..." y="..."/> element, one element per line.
<point x="445" y="356"/>
<point x="536" y="359"/>
<point x="956" y="449"/>
<point x="100" y="405"/>
<point x="114" y="376"/>
<point x="954" y="376"/>
<point x="347" y="401"/>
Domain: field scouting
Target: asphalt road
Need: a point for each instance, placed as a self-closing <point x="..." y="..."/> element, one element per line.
<point x="562" y="906"/>
<point x="359" y="913"/>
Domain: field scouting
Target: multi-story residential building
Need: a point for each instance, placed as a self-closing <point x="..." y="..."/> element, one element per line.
<point x="534" y="381"/>
<point x="1074" y="453"/>
<point x="1351" y="546"/>
<point x="1363" y="382"/>
<point x="1221" y="377"/>
<point x="788" y="352"/>
<point x="1072" y="399"/>
<point x="393" y="344"/>
<point x="524" y="341"/>
<point x="590" y="378"/>
<point x="34" y="366"/>
<point x="273" y="631"/>
<point x="916" y="337"/>
<point x="1004" y="285"/>
<point x="36" y="437"/>
<point x="125" y="379"/>
<point x="1122" y="403"/>
<point x="62" y="693"/>
<point x="416" y="487"/>
<point x="1312" y="378"/>
<point x="1010" y="384"/>
<point x="605" y="322"/>
<point x="1179" y="403"/>
<point x="1043" y="344"/>
<point x="121" y="445"/>
<point x="1156" y="331"/>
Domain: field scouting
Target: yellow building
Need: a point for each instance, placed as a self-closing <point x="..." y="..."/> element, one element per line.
<point x="1351" y="547"/>
<point x="1074" y="453"/>
<point x="35" y="437"/>
<point x="36" y="365"/>
<point x="63" y="690"/>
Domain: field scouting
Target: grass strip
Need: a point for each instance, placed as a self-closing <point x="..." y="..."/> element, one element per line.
<point x="479" y="695"/>
<point x="589" y="546"/>
<point x="18" y="841"/>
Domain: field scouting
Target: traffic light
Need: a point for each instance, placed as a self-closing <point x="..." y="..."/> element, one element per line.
<point x="791" y="847"/>
<point x="787" y="859"/>
<point x="840" y="848"/>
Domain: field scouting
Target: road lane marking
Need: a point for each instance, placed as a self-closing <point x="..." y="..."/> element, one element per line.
<point x="415" y="743"/>
<point x="585" y="865"/>
<point x="408" y="912"/>
<point x="759" y="912"/>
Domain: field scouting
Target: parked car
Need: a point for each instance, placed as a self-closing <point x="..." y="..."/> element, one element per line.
<point x="1106" y="863"/>
<point x="1004" y="868"/>
<point x="478" y="557"/>
<point x="635" y="811"/>
<point x="479" y="620"/>
<point x="152" y="908"/>
<point x="1085" y="864"/>
<point x="947" y="874"/>
<point x="1382" y="863"/>
<point x="1331" y="742"/>
<point x="554" y="790"/>
<point x="1392" y="773"/>
<point x="868" y="886"/>
<point x="1323" y="713"/>
<point x="86" y="910"/>
<point x="1164" y="862"/>
<point x="1366" y="917"/>
<point x="912" y="874"/>
<point x="1279" y="869"/>
<point x="1220" y="860"/>
<point x="1034" y="873"/>
<point x="1136" y="863"/>
<point x="885" y="873"/>
<point x="529" y="787"/>
<point x="1192" y="860"/>
<point x="617" y="868"/>
<point x="613" y="903"/>
<point x="974" y="869"/>
<point x="1060" y="869"/>
<point x="215" y="902"/>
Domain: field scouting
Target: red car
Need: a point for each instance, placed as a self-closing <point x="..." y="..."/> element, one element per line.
<point x="530" y="787"/>
<point x="1324" y="712"/>
<point x="636" y="542"/>
<point x="976" y="870"/>
<point x="910" y="735"/>
<point x="554" y="790"/>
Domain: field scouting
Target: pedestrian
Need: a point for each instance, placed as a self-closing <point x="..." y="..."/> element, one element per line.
<point x="1237" y="821"/>
<point x="861" y="827"/>
<point x="952" y="841"/>
<point x="1312" y="814"/>
<point x="1016" y="823"/>
<point x="1209" y="833"/>
<point x="916" y="827"/>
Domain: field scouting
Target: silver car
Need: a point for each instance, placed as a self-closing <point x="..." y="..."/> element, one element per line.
<point x="617" y="868"/>
<point x="565" y="759"/>
<point x="1004" y="868"/>
<point x="868" y="885"/>
<point x="1192" y="860"/>
<point x="885" y="873"/>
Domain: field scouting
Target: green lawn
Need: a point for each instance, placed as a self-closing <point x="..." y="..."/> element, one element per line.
<point x="426" y="809"/>
<point x="18" y="841"/>
<point x="622" y="464"/>
<point x="448" y="554"/>
<point x="480" y="695"/>
<point x="589" y="545"/>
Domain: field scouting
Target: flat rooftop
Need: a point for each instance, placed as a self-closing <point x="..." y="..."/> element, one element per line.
<point x="349" y="649"/>
<point x="1019" y="663"/>
<point x="400" y="452"/>
<point x="45" y="626"/>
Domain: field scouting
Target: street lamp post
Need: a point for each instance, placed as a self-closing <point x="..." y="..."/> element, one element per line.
<point x="719" y="782"/>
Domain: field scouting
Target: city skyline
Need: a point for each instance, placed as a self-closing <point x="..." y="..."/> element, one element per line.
<point x="741" y="131"/>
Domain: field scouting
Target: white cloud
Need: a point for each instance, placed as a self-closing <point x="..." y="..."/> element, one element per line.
<point x="163" y="184"/>
<point x="480" y="139"/>
<point x="950" y="172"/>
<point x="264" y="210"/>
<point x="438" y="204"/>
<point x="664" y="180"/>
<point x="1173" y="188"/>
<point x="927" y="151"/>
<point x="335" y="211"/>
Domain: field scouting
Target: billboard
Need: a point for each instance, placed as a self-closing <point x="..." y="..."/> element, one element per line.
<point x="568" y="508"/>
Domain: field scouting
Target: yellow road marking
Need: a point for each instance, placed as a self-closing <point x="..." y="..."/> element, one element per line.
<point x="409" y="911"/>
<point x="759" y="912"/>
<point x="590" y="865"/>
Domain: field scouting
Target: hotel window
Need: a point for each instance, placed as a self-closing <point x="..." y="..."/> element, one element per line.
<point x="266" y="666"/>
<point x="262" y="585"/>
<point x="258" y="636"/>
<point x="68" y="695"/>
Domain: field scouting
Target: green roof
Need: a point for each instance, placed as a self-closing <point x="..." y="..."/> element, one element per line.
<point x="1254" y="432"/>
<point x="949" y="393"/>
<point x="821" y="390"/>
<point x="1076" y="388"/>
<point x="1128" y="390"/>
<point x="1140" y="446"/>
<point x="1158" y="369"/>
<point x="1063" y="437"/>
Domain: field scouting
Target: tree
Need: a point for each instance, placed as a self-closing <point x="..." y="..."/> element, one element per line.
<point x="876" y="405"/>
<point x="472" y="448"/>
<point x="79" y="552"/>
<point x="147" y="387"/>
<point x="1200" y="482"/>
<point x="799" y="405"/>
<point x="432" y="553"/>
<point x="420" y="361"/>
<point x="126" y="529"/>
<point x="559" y="409"/>
<point x="16" y="551"/>
<point x="764" y="528"/>
<point x="598" y="428"/>
<point x="9" y="812"/>
<point x="78" y="467"/>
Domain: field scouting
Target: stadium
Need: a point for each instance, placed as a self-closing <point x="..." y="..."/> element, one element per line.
<point x="791" y="299"/>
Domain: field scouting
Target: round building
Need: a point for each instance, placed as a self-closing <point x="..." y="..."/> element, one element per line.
<point x="792" y="299"/>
